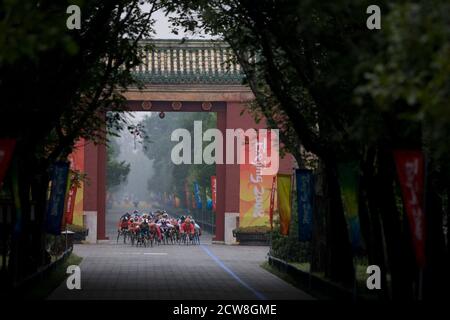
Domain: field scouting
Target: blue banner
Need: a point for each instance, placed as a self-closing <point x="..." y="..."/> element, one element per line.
<point x="55" y="204"/>
<point x="209" y="201"/>
<point x="198" y="199"/>
<point x="209" y="204"/>
<point x="305" y="202"/>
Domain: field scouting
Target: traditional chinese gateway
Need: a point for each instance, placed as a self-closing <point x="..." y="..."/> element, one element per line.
<point x="189" y="76"/>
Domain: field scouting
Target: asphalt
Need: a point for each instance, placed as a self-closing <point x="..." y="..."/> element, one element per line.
<point x="195" y="272"/>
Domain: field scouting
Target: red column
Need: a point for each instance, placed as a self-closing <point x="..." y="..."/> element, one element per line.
<point x="101" y="193"/>
<point x="221" y="183"/>
<point x="90" y="167"/>
<point x="94" y="197"/>
<point x="234" y="121"/>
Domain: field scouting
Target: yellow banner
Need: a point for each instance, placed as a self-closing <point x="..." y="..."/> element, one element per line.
<point x="284" y="201"/>
<point x="254" y="197"/>
<point x="77" y="160"/>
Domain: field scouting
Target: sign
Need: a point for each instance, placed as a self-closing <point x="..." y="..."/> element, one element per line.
<point x="255" y="188"/>
<point x="305" y="202"/>
<point x="6" y="151"/>
<point x="214" y="192"/>
<point x="56" y="201"/>
<point x="411" y="173"/>
<point x="284" y="201"/>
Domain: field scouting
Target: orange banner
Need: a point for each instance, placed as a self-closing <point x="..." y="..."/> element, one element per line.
<point x="77" y="160"/>
<point x="254" y="194"/>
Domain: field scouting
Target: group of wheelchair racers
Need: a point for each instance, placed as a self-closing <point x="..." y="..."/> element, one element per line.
<point x="148" y="229"/>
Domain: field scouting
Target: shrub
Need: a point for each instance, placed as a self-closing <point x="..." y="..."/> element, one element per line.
<point x="252" y="229"/>
<point x="75" y="228"/>
<point x="289" y="248"/>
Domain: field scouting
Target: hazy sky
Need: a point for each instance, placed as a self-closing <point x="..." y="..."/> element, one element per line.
<point x="163" y="29"/>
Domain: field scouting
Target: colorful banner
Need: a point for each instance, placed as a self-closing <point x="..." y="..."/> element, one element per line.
<point x="305" y="202"/>
<point x="411" y="172"/>
<point x="254" y="192"/>
<point x="284" y="185"/>
<point x="66" y="193"/>
<point x="209" y="203"/>
<point x="55" y="205"/>
<point x="198" y="198"/>
<point x="272" y="201"/>
<point x="214" y="192"/>
<point x="348" y="181"/>
<point x="6" y="152"/>
<point x="76" y="159"/>
<point x="70" y="204"/>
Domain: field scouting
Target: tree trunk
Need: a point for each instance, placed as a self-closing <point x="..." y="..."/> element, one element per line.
<point x="318" y="241"/>
<point x="370" y="220"/>
<point x="398" y="242"/>
<point x="436" y="270"/>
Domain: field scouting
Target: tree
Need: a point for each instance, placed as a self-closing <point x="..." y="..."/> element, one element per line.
<point x="331" y="85"/>
<point x="168" y="177"/>
<point x="292" y="82"/>
<point x="116" y="171"/>
<point x="57" y="85"/>
<point x="409" y="85"/>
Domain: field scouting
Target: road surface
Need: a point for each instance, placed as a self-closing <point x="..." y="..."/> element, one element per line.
<point x="206" y="271"/>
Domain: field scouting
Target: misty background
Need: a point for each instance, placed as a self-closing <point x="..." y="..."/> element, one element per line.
<point x="140" y="172"/>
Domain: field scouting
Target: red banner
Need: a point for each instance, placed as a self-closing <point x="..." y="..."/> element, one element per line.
<point x="6" y="151"/>
<point x="411" y="173"/>
<point x="214" y="191"/>
<point x="70" y="204"/>
<point x="272" y="201"/>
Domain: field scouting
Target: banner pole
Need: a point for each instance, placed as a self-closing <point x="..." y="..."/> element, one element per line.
<point x="311" y="254"/>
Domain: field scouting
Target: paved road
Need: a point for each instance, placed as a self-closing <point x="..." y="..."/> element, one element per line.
<point x="110" y="271"/>
<point x="207" y="271"/>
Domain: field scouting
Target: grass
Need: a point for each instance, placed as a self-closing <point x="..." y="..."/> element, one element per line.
<point x="304" y="266"/>
<point x="42" y="287"/>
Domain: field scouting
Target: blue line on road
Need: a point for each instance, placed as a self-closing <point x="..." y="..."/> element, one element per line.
<point x="258" y="294"/>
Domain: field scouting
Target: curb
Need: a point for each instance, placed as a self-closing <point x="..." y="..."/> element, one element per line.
<point x="312" y="284"/>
